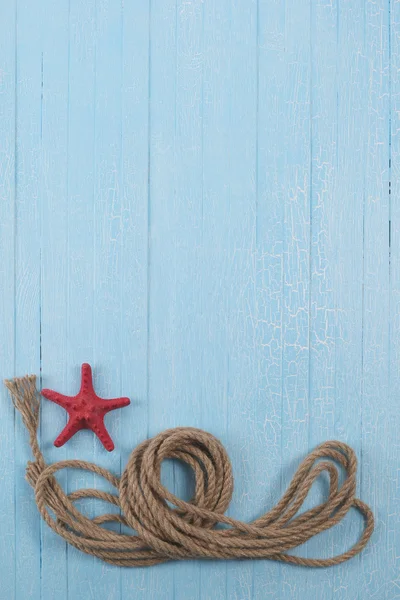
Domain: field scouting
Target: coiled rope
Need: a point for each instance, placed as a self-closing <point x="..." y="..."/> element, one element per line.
<point x="167" y="527"/>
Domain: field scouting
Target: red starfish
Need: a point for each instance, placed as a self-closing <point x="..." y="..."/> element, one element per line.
<point x="86" y="410"/>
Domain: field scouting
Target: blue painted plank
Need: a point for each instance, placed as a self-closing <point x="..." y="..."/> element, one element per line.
<point x="80" y="244"/>
<point x="105" y="579"/>
<point x="235" y="111"/>
<point x="271" y="156"/>
<point x="29" y="71"/>
<point x="296" y="181"/>
<point x="185" y="269"/>
<point x="7" y="296"/>
<point x="347" y="262"/>
<point x="376" y="475"/>
<point x="134" y="251"/>
<point x="229" y="216"/>
<point x="163" y="402"/>
<point x="215" y="365"/>
<point x="54" y="263"/>
<point x="323" y="148"/>
<point x="393" y="413"/>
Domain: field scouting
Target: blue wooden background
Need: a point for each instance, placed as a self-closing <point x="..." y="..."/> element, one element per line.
<point x="201" y="199"/>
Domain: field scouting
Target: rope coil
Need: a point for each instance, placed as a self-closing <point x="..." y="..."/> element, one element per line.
<point x="187" y="529"/>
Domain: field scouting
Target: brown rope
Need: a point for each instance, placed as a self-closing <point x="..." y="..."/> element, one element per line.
<point x="186" y="530"/>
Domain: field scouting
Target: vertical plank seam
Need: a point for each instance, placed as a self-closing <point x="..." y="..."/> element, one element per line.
<point x="363" y="289"/>
<point x="40" y="217"/>
<point x="122" y="238"/>
<point x="202" y="253"/>
<point x="94" y="203"/>
<point x="255" y="255"/>
<point x="15" y="271"/>
<point x="148" y="220"/>
<point x="335" y="307"/>
<point x="390" y="215"/>
<point x="282" y="354"/>
<point x="174" y="475"/>
<point x="310" y="243"/>
<point x="68" y="253"/>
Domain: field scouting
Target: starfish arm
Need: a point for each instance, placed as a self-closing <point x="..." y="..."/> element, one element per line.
<point x="86" y="378"/>
<point x="69" y="430"/>
<point x="113" y="403"/>
<point x="100" y="430"/>
<point x="64" y="401"/>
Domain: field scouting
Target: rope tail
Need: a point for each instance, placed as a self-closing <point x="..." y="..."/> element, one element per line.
<point x="26" y="400"/>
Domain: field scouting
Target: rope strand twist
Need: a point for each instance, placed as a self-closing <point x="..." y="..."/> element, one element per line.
<point x="166" y="527"/>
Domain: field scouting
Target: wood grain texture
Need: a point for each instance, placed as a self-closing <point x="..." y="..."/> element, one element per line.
<point x="80" y="254"/>
<point x="28" y="275"/>
<point x="392" y="579"/>
<point x="135" y="248"/>
<point x="347" y="259"/>
<point x="7" y="294"/>
<point x="53" y="206"/>
<point x="376" y="306"/>
<point x="201" y="199"/>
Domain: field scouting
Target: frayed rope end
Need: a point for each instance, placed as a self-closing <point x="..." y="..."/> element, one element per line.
<point x="26" y="400"/>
